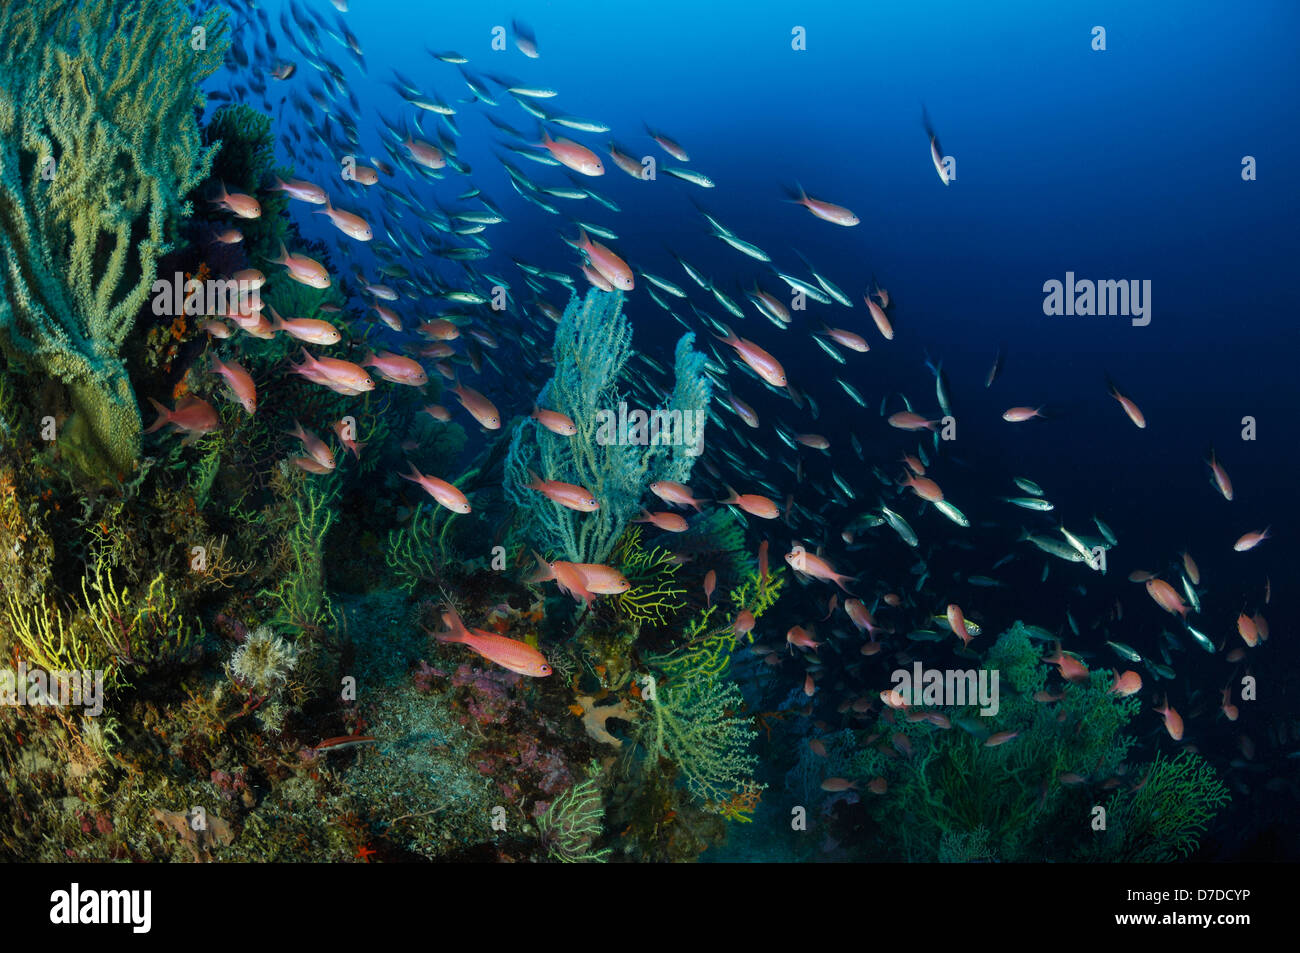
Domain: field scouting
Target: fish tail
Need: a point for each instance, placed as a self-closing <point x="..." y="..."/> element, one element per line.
<point x="730" y="335"/>
<point x="164" y="415"/>
<point x="544" y="570"/>
<point x="455" y="631"/>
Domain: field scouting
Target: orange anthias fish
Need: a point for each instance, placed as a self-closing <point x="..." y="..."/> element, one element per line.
<point x="508" y="653"/>
<point x="1127" y="684"/>
<point x="445" y="493"/>
<point x="554" y="421"/>
<point x="1071" y="669"/>
<point x="957" y="622"/>
<point x="480" y="408"/>
<point x="826" y="211"/>
<point x="612" y="268"/>
<point x="245" y="206"/>
<point x="668" y="522"/>
<point x="302" y="269"/>
<point x="568" y="495"/>
<point x="762" y="363"/>
<point x="1166" y="597"/>
<point x="1220" y="476"/>
<point x="809" y="564"/>
<point x="240" y="382"/>
<point x="676" y="493"/>
<point x="753" y="504"/>
<point x="1130" y="408"/>
<point x="572" y="155"/>
<point x="192" y="415"/>
<point x="1173" y="720"/>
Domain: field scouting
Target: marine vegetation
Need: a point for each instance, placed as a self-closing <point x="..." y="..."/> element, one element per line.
<point x="1021" y="784"/>
<point x="593" y="343"/>
<point x="98" y="148"/>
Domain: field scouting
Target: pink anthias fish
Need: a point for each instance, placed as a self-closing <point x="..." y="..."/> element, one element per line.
<point x="301" y="190"/>
<point x="612" y="268"/>
<point x="762" y="363"/>
<point x="241" y="384"/>
<point x="302" y="269"/>
<point x="812" y="565"/>
<point x="517" y="656"/>
<point x="310" y="330"/>
<point x="554" y="421"/>
<point x="668" y="522"/>
<point x="572" y="155"/>
<point x="482" y="409"/>
<point x="676" y="493"/>
<point x="342" y="377"/>
<point x="569" y="495"/>
<point x="316" y="448"/>
<point x="583" y="581"/>
<point x="193" y="416"/>
<point x="396" y="369"/>
<point x="345" y="430"/>
<point x="443" y="492"/>
<point x="826" y="211"/>
<point x="244" y="206"/>
<point x="353" y="226"/>
<point x="424" y="154"/>
<point x="882" y="320"/>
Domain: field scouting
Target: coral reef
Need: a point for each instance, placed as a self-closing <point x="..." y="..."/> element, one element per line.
<point x="98" y="146"/>
<point x="572" y="823"/>
<point x="946" y="793"/>
<point x="593" y="342"/>
<point x="696" y="723"/>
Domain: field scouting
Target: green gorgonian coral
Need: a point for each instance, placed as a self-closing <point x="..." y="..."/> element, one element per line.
<point x="1162" y="819"/>
<point x="572" y="823"/>
<point x="695" y="722"/>
<point x="1032" y="797"/>
<point x="592" y="344"/>
<point x="98" y="147"/>
<point x="655" y="595"/>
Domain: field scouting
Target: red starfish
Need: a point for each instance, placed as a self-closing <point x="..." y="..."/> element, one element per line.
<point x="364" y="853"/>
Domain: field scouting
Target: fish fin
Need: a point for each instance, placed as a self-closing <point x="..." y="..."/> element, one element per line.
<point x="163" y="415"/>
<point x="455" y="631"/>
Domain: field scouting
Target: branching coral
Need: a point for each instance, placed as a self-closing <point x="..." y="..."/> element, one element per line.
<point x="98" y="147"/>
<point x="592" y="344"/>
<point x="572" y="823"/>
<point x="417" y="552"/>
<point x="145" y="631"/>
<point x="655" y="595"/>
<point x="301" y="599"/>
<point x="1023" y="799"/>
<point x="711" y="637"/>
<point x="113" y="630"/>
<point x="695" y="723"/>
<point x="1163" y="819"/>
